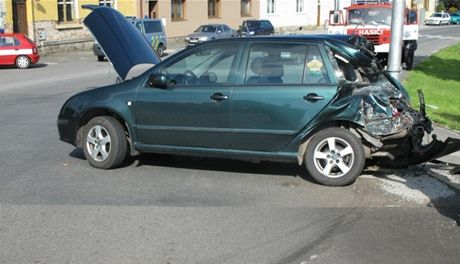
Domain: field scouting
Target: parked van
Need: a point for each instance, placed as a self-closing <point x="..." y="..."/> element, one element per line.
<point x="152" y="29"/>
<point x="154" y="32"/>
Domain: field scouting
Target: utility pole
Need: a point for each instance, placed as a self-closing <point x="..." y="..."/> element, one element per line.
<point x="397" y="23"/>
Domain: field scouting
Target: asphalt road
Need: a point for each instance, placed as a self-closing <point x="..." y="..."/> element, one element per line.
<point x="55" y="208"/>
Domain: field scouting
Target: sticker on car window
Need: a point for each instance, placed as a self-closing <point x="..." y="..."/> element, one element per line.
<point x="314" y="66"/>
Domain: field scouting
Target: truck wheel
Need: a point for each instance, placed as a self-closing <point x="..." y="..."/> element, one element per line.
<point x="409" y="59"/>
<point x="334" y="157"/>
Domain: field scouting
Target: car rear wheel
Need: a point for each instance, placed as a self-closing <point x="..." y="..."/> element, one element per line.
<point x="334" y="157"/>
<point x="104" y="142"/>
<point x="22" y="62"/>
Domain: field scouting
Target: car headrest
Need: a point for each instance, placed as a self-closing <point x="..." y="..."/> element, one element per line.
<point x="272" y="69"/>
<point x="256" y="66"/>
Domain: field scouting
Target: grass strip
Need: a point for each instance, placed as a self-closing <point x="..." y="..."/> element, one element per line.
<point x="439" y="78"/>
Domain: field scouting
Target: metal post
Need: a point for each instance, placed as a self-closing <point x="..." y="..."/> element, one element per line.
<point x="396" y="44"/>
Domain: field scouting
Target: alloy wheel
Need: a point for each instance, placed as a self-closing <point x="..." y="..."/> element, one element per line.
<point x="333" y="157"/>
<point x="98" y="143"/>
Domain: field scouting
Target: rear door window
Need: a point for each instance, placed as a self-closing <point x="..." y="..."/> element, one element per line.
<point x="272" y="63"/>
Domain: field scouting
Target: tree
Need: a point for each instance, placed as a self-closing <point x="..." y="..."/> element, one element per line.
<point x="441" y="7"/>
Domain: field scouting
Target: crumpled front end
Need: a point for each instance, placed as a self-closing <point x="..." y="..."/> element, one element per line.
<point x="379" y="106"/>
<point x="394" y="130"/>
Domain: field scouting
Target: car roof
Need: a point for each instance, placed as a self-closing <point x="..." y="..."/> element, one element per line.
<point x="292" y="38"/>
<point x="213" y="24"/>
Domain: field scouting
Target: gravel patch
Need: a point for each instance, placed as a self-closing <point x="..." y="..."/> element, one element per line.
<point x="421" y="189"/>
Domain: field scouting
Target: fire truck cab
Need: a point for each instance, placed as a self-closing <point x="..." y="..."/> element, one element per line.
<point x="372" y="19"/>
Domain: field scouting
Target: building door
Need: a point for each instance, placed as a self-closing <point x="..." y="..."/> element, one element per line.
<point x="153" y="9"/>
<point x="20" y="17"/>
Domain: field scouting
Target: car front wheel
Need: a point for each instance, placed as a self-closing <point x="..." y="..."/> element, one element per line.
<point x="334" y="157"/>
<point x="22" y="62"/>
<point x="104" y="142"/>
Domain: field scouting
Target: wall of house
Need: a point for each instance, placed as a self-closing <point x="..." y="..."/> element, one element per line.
<point x="196" y="14"/>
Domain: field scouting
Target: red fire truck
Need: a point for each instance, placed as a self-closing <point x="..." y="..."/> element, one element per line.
<point x="372" y="19"/>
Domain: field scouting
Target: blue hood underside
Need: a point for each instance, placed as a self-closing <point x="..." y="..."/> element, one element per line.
<point x="123" y="44"/>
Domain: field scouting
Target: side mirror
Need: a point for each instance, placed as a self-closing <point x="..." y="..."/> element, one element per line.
<point x="158" y="80"/>
<point x="219" y="32"/>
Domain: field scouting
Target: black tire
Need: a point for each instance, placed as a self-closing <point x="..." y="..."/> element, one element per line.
<point x="160" y="51"/>
<point x="22" y="62"/>
<point x="100" y="58"/>
<point x="409" y="59"/>
<point x="338" y="166"/>
<point x="104" y="142"/>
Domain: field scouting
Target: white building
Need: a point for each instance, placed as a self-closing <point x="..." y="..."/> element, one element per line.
<point x="292" y="14"/>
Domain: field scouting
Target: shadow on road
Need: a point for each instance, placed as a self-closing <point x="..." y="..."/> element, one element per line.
<point x="216" y="164"/>
<point x="31" y="67"/>
<point x="211" y="164"/>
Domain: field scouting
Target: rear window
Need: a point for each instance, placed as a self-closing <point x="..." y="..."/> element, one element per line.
<point x="153" y="27"/>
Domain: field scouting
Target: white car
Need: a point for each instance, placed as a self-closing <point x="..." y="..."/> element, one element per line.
<point x="438" y="19"/>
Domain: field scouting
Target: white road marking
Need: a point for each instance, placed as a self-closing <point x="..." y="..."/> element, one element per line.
<point x="438" y="37"/>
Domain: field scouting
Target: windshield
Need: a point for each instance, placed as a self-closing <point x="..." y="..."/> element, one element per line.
<point x="207" y="28"/>
<point x="436" y="15"/>
<point x="373" y="16"/>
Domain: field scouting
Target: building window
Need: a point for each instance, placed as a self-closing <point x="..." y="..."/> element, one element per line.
<point x="271" y="6"/>
<point x="299" y="6"/>
<point x="213" y="8"/>
<point x="106" y="3"/>
<point x="66" y="10"/>
<point x="246" y="6"/>
<point x="177" y="9"/>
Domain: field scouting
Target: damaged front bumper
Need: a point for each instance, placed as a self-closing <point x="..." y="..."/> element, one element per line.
<point x="400" y="131"/>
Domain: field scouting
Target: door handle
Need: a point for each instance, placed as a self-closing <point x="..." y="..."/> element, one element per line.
<point x="313" y="97"/>
<point x="218" y="97"/>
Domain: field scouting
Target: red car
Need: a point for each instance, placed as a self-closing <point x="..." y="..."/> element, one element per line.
<point x="17" y="49"/>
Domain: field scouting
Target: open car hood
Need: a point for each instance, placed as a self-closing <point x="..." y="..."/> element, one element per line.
<point x="123" y="44"/>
